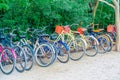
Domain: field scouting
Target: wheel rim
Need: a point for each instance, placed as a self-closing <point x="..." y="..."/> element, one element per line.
<point x="44" y="55"/>
<point x="92" y="48"/>
<point x="63" y="55"/>
<point x="7" y="61"/>
<point x="76" y="49"/>
<point x="20" y="59"/>
<point x="29" y="57"/>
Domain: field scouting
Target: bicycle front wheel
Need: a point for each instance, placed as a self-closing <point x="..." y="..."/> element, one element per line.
<point x="77" y="49"/>
<point x="29" y="56"/>
<point x="7" y="61"/>
<point x="62" y="51"/>
<point x="20" y="59"/>
<point x="103" y="44"/>
<point x="45" y="55"/>
<point x="110" y="41"/>
<point x="92" y="46"/>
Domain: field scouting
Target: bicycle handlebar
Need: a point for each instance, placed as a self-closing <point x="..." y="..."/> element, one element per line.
<point x="75" y="24"/>
<point x="92" y="24"/>
<point x="32" y="30"/>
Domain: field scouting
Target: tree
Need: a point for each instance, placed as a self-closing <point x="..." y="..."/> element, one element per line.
<point x="115" y="5"/>
<point x="103" y="14"/>
<point x="40" y="13"/>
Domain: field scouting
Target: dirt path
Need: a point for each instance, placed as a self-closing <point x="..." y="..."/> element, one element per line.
<point x="100" y="67"/>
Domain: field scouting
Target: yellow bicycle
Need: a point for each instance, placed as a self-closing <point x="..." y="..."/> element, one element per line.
<point x="91" y="47"/>
<point x="76" y="45"/>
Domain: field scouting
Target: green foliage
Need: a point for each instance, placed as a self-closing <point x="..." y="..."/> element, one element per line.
<point x="105" y="15"/>
<point x="4" y="6"/>
<point x="40" y="13"/>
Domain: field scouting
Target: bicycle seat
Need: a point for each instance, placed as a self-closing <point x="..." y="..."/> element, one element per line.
<point x="53" y="37"/>
<point x="81" y="30"/>
<point x="44" y="35"/>
<point x="98" y="30"/>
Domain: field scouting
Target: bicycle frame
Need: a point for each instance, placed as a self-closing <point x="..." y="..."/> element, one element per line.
<point x="24" y="41"/>
<point x="85" y="39"/>
<point x="2" y="54"/>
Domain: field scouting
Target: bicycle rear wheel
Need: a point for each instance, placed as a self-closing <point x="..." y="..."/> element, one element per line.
<point x="112" y="35"/>
<point x="29" y="56"/>
<point x="62" y="51"/>
<point x="110" y="41"/>
<point x="92" y="46"/>
<point x="103" y="44"/>
<point x="77" y="49"/>
<point x="20" y="59"/>
<point x="7" y="61"/>
<point x="45" y="55"/>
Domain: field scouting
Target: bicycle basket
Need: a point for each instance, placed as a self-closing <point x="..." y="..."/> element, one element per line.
<point x="59" y="29"/>
<point x="81" y="30"/>
<point x="110" y="28"/>
<point x="66" y="29"/>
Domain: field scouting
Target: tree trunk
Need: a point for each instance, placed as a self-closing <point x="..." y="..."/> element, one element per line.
<point x="117" y="18"/>
<point x="115" y="5"/>
<point x="95" y="8"/>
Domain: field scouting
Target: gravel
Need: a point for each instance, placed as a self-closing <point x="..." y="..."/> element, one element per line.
<point x="101" y="67"/>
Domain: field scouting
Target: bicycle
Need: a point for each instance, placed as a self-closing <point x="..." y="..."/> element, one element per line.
<point x="7" y="57"/>
<point x="111" y="31"/>
<point x="61" y="48"/>
<point x="43" y="51"/>
<point x="102" y="37"/>
<point x="76" y="45"/>
<point x="89" y="40"/>
<point x="26" y="48"/>
<point x="20" y="55"/>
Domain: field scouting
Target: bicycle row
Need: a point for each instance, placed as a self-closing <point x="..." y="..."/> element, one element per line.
<point x="44" y="49"/>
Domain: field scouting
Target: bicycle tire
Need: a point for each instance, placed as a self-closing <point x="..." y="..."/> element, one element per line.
<point x="39" y="54"/>
<point x="92" y="45"/>
<point x="20" y="59"/>
<point x="11" y="63"/>
<point x="103" y="44"/>
<point x="77" y="48"/>
<point x="62" y="51"/>
<point x="112" y="35"/>
<point x="109" y="39"/>
<point x="29" y="56"/>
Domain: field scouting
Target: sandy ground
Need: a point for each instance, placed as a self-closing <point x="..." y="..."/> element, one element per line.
<point x="101" y="67"/>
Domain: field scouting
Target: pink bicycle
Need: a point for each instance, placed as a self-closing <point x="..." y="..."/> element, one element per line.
<point x="11" y="55"/>
<point x="7" y="59"/>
